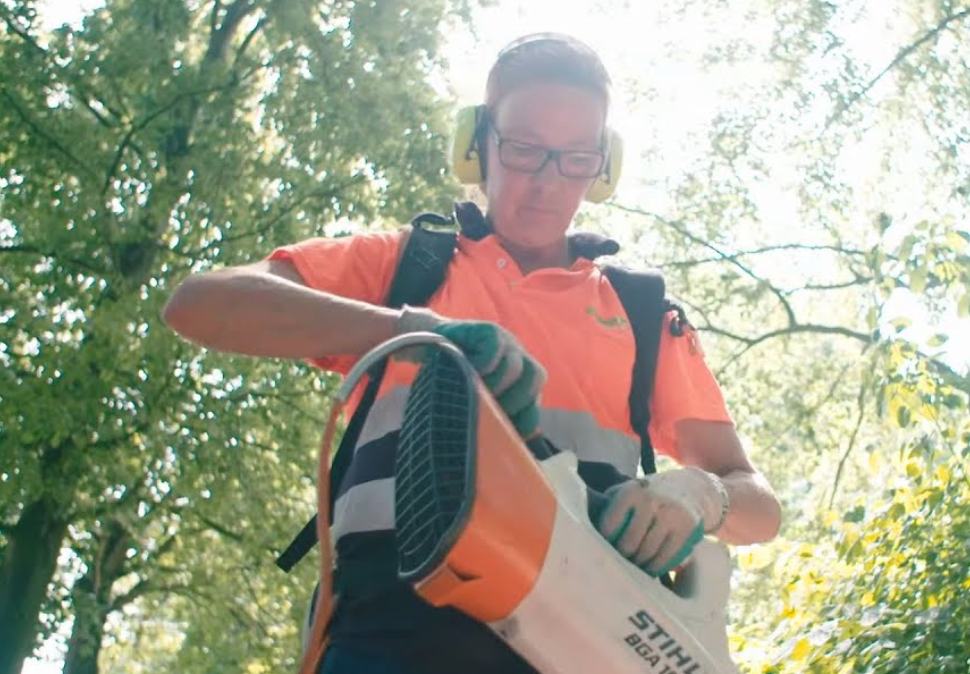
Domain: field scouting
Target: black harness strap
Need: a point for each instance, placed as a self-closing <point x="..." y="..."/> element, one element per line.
<point x="642" y="295"/>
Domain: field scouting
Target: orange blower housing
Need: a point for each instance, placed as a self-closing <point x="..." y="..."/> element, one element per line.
<point x="483" y="526"/>
<point x="473" y="511"/>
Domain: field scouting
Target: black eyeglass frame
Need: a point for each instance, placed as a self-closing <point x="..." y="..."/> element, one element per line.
<point x="549" y="154"/>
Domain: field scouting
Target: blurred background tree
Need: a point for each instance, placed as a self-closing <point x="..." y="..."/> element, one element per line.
<point x="145" y="481"/>
<point x="819" y="233"/>
<point x="799" y="170"/>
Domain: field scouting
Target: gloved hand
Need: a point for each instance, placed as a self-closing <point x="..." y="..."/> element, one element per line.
<point x="656" y="521"/>
<point x="511" y="374"/>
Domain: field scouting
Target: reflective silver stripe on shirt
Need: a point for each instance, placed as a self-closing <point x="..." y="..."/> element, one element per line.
<point x="365" y="507"/>
<point x="369" y="506"/>
<point x="579" y="433"/>
<point x="386" y="415"/>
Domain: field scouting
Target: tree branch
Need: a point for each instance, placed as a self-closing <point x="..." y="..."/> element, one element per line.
<point x="220" y="528"/>
<point x="220" y="38"/>
<point x="948" y="374"/>
<point x="900" y="57"/>
<point x="953" y="378"/>
<point x="20" y="31"/>
<point x="53" y="142"/>
<point x="958" y="381"/>
<point x="87" y="93"/>
<point x="119" y="602"/>
<point x="249" y="38"/>
<point x="796" y="328"/>
<point x="761" y="251"/>
<point x="144" y="123"/>
<point x="214" y="17"/>
<point x="54" y="254"/>
<point x="102" y="120"/>
<point x="683" y="231"/>
<point x="861" y="402"/>
<point x="857" y="281"/>
<point x="268" y="225"/>
<point x="811" y="410"/>
<point x="142" y="588"/>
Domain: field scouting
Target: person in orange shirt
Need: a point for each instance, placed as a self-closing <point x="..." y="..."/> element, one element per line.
<point x="546" y="331"/>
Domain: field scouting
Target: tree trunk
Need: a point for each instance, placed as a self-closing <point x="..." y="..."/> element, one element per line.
<point x="85" y="643"/>
<point x="92" y="600"/>
<point x="28" y="562"/>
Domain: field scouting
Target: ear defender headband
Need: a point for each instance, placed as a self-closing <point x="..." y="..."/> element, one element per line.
<point x="468" y="157"/>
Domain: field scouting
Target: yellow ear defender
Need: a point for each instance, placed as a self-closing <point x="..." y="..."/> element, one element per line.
<point x="467" y="164"/>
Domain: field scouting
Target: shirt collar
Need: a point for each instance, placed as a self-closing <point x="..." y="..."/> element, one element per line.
<point x="491" y="251"/>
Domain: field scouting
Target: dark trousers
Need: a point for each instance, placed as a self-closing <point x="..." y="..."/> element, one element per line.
<point x="343" y="660"/>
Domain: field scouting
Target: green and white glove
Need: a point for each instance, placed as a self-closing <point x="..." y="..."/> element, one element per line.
<point x="513" y="376"/>
<point x="656" y="521"/>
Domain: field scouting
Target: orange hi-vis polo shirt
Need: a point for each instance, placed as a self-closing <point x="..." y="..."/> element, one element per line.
<point x="570" y="320"/>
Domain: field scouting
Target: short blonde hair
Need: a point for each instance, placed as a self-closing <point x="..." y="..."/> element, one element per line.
<point x="548" y="58"/>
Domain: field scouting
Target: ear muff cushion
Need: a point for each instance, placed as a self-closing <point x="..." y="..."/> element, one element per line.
<point x="605" y="185"/>
<point x="464" y="151"/>
<point x="467" y="163"/>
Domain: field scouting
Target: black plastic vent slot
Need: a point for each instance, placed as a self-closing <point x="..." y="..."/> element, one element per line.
<point x="434" y="482"/>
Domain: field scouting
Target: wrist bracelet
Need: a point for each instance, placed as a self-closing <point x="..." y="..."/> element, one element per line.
<point x="722" y="493"/>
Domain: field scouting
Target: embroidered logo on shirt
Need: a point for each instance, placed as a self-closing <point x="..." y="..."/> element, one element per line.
<point x="617" y="323"/>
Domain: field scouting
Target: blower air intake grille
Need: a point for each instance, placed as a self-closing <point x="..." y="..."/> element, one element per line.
<point x="434" y="476"/>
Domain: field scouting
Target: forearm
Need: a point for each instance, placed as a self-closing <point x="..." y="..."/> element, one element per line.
<point x="754" y="515"/>
<point x="247" y="311"/>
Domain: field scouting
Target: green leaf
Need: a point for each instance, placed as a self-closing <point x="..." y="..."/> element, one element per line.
<point x="903" y="416"/>
<point x="855" y="515"/>
<point x="883" y="222"/>
<point x="963" y="306"/>
<point x="957" y="240"/>
<point x="906" y="247"/>
<point x="935" y="499"/>
<point x="917" y="279"/>
<point x="901" y="323"/>
<point x="913" y="469"/>
<point x="954" y="401"/>
<point x="872" y="318"/>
